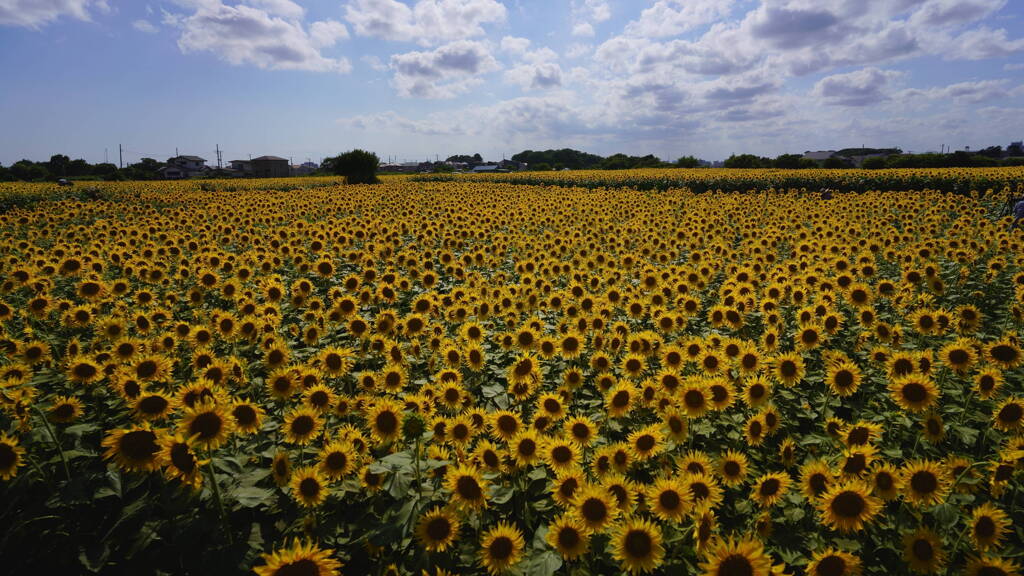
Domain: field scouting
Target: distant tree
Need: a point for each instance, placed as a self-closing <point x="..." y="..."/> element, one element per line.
<point x="992" y="152"/>
<point x="79" y="167"/>
<point x="873" y="163"/>
<point x="540" y="167"/>
<point x="834" y="163"/>
<point x="565" y="157"/>
<point x="788" y="161"/>
<point x="477" y="157"/>
<point x="1015" y="149"/>
<point x="688" y="162"/>
<point x="58" y="165"/>
<point x="104" y="169"/>
<point x="5" y="174"/>
<point x="442" y="168"/>
<point x="357" y="166"/>
<point x="746" y="161"/>
<point x="29" y="171"/>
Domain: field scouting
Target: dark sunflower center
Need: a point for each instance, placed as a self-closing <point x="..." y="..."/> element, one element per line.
<point x="923" y="550"/>
<point x="831" y="566"/>
<point x="1011" y="413"/>
<point x="594" y="510"/>
<point x="991" y="571"/>
<point x="304" y="567"/>
<point x="638" y="544"/>
<point x="568" y="538"/>
<point x="336" y="461"/>
<point x="139" y="445"/>
<point x="64" y="411"/>
<point x="182" y="458"/>
<point x="153" y="405"/>
<point x="958" y="356"/>
<point x="883" y="481"/>
<point x="439" y="528"/>
<point x="924" y="482"/>
<point x="468" y="488"/>
<point x="333" y="361"/>
<point x="770" y="487"/>
<point x="731" y="468"/>
<point x="7" y="456"/>
<point x="561" y="454"/>
<point x="669" y="500"/>
<point x="581" y="430"/>
<point x="501" y="548"/>
<point x="700" y="491"/>
<point x="523" y="368"/>
<point x="985" y="527"/>
<point x="207" y="425"/>
<point x="244" y="415"/>
<point x="527" y="447"/>
<point x="85" y="370"/>
<point x="645" y="443"/>
<point x="788" y="368"/>
<point x="735" y="565"/>
<point x="844" y="379"/>
<point x="848" y="504"/>
<point x="818" y="483"/>
<point x="1004" y="353"/>
<point x="914" y="392"/>
<point x="855" y="464"/>
<point x="693" y="398"/>
<point x="387" y="422"/>
<point x="309" y="487"/>
<point x="621" y="399"/>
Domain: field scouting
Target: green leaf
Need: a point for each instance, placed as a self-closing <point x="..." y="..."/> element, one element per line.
<point x="253" y="496"/>
<point x="544" y="564"/>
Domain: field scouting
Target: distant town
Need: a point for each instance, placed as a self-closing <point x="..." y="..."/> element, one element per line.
<point x="185" y="166"/>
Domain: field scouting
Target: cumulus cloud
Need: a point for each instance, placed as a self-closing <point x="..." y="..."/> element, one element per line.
<point x="962" y="92"/>
<point x="38" y="13"/>
<point x="984" y="43"/>
<point x="859" y="88"/>
<point x="673" y="17"/>
<point x="327" y="33"/>
<point x="144" y="26"/>
<point x="245" y="35"/>
<point x="428" y="22"/>
<point x="444" y="72"/>
<point x="282" y="8"/>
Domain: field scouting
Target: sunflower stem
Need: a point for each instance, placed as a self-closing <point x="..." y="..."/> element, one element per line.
<point x="60" y="449"/>
<point x="216" y="497"/>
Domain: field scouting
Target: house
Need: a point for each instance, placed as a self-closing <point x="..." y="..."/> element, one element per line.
<point x="820" y="155"/>
<point x="270" y="167"/>
<point x="485" y="168"/>
<point x="180" y="167"/>
<point x="241" y="167"/>
<point x="512" y="165"/>
<point x="304" y="169"/>
<point x="404" y="167"/>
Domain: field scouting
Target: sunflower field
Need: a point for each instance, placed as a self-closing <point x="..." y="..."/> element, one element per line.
<point x="482" y="376"/>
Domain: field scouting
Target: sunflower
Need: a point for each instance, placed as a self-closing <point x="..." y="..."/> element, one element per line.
<point x="468" y="488"/>
<point x="933" y="427"/>
<point x="622" y="489"/>
<point x="636" y="545"/>
<point x="704" y="524"/>
<point x="756" y="430"/>
<point x="832" y="562"/>
<point x="181" y="462"/>
<point x="525" y="448"/>
<point x="703" y="488"/>
<point x="992" y="566"/>
<point x="769" y="488"/>
<point x="152" y="406"/>
<point x="581" y="430"/>
<point x="488" y="456"/>
<point x="1009" y="415"/>
<point x="569" y="536"/>
<point x="914" y="393"/>
<point x="856" y="460"/>
<point x="1005" y="354"/>
<point x="676" y="424"/>
<point x="83" y="370"/>
<point x="886" y="482"/>
<point x="282" y="382"/>
<point x="65" y="409"/>
<point x="301" y="425"/>
<point x="281" y="468"/>
<point x="788" y="368"/>
<point x="925" y="483"/>
<point x="299" y="560"/>
<point x="334" y="361"/>
<point x="848" y="506"/>
<point x="646" y="442"/>
<point x="308" y="487"/>
<point x="959" y="355"/>
<point x="728" y="557"/>
<point x="320" y="398"/>
<point x="11" y="457"/>
<point x="594" y="507"/>
<point x="669" y="500"/>
<point x="565" y="485"/>
<point x="988" y="526"/>
<point x="385" y="420"/>
<point x="696" y="399"/>
<point x="135" y="449"/>
<point x="501" y="547"/>
<point x="206" y="425"/>
<point x="843" y="378"/>
<point x="337" y="459"/>
<point x="816" y="477"/>
<point x="922" y="549"/>
<point x="437" y="529"/>
<point x="619" y="400"/>
<point x="248" y="417"/>
<point x="988" y="382"/>
<point x="861" y="433"/>
<point x="152" y="368"/>
<point x="756" y="391"/>
<point x="732" y="467"/>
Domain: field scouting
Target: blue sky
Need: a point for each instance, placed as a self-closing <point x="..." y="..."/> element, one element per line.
<point x="409" y="79"/>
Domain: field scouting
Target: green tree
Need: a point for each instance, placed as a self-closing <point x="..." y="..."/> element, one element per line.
<point x="873" y="163"/>
<point x="59" y="165"/>
<point x="357" y="166"/>
<point x="747" y="161"/>
<point x="688" y="162"/>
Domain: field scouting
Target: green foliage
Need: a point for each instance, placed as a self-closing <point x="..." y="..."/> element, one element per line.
<point x="566" y="157"/>
<point x="688" y="162"/>
<point x="747" y="161"/>
<point x="357" y="166"/>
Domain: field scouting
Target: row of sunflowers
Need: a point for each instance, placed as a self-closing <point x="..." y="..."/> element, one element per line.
<point x="476" y="377"/>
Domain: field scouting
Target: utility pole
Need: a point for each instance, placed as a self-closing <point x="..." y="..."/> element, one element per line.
<point x="218" y="156"/>
<point x="175" y="151"/>
<point x="105" y="161"/>
<point x="120" y="157"/>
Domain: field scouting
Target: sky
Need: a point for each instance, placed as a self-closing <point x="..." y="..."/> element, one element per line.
<point x="418" y="79"/>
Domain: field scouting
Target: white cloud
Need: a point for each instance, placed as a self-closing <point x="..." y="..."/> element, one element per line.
<point x="962" y="92"/>
<point x="245" y="35"/>
<point x="444" y="72"/>
<point x="585" y="29"/>
<point x="428" y="22"/>
<point x="673" y="17"/>
<point x="283" y="8"/>
<point x="859" y="88"/>
<point x="327" y="33"/>
<point x="515" y="46"/>
<point x="984" y="43"/>
<point x="38" y="13"/>
<point x="144" y="26"/>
